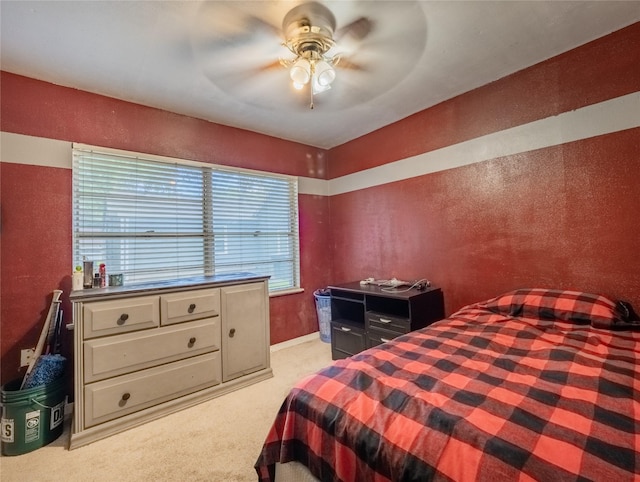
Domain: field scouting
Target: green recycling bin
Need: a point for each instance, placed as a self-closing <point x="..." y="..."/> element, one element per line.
<point x="33" y="417"/>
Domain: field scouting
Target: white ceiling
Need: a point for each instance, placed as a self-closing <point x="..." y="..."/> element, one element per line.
<point x="209" y="59"/>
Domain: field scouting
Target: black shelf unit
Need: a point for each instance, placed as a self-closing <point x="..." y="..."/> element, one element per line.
<point x="364" y="316"/>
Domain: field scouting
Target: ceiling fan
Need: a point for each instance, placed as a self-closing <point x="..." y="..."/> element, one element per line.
<point x="256" y="50"/>
<point x="309" y="30"/>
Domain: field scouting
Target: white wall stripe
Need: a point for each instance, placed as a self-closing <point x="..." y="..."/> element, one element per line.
<point x="606" y="117"/>
<point x="35" y="151"/>
<point x="609" y="116"/>
<point x="313" y="186"/>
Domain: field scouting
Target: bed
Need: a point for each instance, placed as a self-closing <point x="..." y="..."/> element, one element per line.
<point x="534" y="384"/>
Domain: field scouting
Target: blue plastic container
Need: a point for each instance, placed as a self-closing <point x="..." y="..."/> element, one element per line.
<point x="323" y="308"/>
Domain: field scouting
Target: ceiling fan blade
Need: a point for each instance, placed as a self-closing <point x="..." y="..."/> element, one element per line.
<point x="230" y="73"/>
<point x="275" y="65"/>
<point x="344" y="63"/>
<point x="225" y="25"/>
<point x="234" y="42"/>
<point x="356" y="30"/>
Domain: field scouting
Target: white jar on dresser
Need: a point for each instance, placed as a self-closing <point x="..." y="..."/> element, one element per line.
<point x="144" y="351"/>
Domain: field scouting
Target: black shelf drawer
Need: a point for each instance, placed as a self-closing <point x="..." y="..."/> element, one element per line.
<point x="378" y="337"/>
<point x="385" y="321"/>
<point x="346" y="339"/>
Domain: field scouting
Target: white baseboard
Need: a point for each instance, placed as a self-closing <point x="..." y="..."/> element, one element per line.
<point x="295" y="341"/>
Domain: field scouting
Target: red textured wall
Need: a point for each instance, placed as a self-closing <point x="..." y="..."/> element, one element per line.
<point x="46" y="110"/>
<point x="290" y="320"/>
<point x="36" y="237"/>
<point x="597" y="71"/>
<point x="559" y="217"/>
<point x="35" y="254"/>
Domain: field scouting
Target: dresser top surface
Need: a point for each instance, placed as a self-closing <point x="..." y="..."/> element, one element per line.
<point x="401" y="292"/>
<point x="182" y="284"/>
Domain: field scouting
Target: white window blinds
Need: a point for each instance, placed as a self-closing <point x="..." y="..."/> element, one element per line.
<point x="152" y="220"/>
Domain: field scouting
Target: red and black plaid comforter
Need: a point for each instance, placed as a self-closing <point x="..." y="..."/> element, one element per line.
<point x="492" y="393"/>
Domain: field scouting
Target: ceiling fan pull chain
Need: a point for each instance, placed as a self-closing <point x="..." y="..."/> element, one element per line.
<point x="311" y="95"/>
<point x="313" y="74"/>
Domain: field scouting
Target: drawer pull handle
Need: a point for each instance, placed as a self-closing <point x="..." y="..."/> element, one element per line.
<point x="232" y="332"/>
<point x="123" y="400"/>
<point x="344" y="328"/>
<point x="384" y="340"/>
<point x="384" y="320"/>
<point x="123" y="317"/>
<point x="192" y="308"/>
<point x="192" y="341"/>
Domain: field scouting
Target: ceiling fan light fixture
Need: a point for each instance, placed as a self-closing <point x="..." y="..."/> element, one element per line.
<point x="325" y="73"/>
<point x="317" y="87"/>
<point x="300" y="71"/>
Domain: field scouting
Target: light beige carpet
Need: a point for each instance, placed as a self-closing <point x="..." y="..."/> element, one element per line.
<point x="218" y="440"/>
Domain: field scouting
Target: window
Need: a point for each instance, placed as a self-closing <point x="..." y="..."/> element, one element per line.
<point x="154" y="219"/>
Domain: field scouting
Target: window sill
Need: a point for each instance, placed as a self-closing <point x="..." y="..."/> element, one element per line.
<point x="291" y="291"/>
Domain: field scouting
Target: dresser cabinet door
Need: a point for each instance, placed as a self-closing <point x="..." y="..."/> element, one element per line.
<point x="245" y="347"/>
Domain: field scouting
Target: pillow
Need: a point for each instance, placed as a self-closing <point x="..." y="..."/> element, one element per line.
<point x="573" y="306"/>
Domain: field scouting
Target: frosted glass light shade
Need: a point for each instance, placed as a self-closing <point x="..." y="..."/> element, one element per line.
<point x="325" y="73"/>
<point x="300" y="72"/>
<point x="317" y="88"/>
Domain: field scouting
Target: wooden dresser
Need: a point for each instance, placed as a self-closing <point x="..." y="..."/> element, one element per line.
<point x="144" y="351"/>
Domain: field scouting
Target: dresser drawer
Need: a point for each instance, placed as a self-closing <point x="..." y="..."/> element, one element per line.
<point x="191" y="305"/>
<point x="387" y="322"/>
<point x="113" y="398"/>
<point x="117" y="355"/>
<point x="102" y="318"/>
